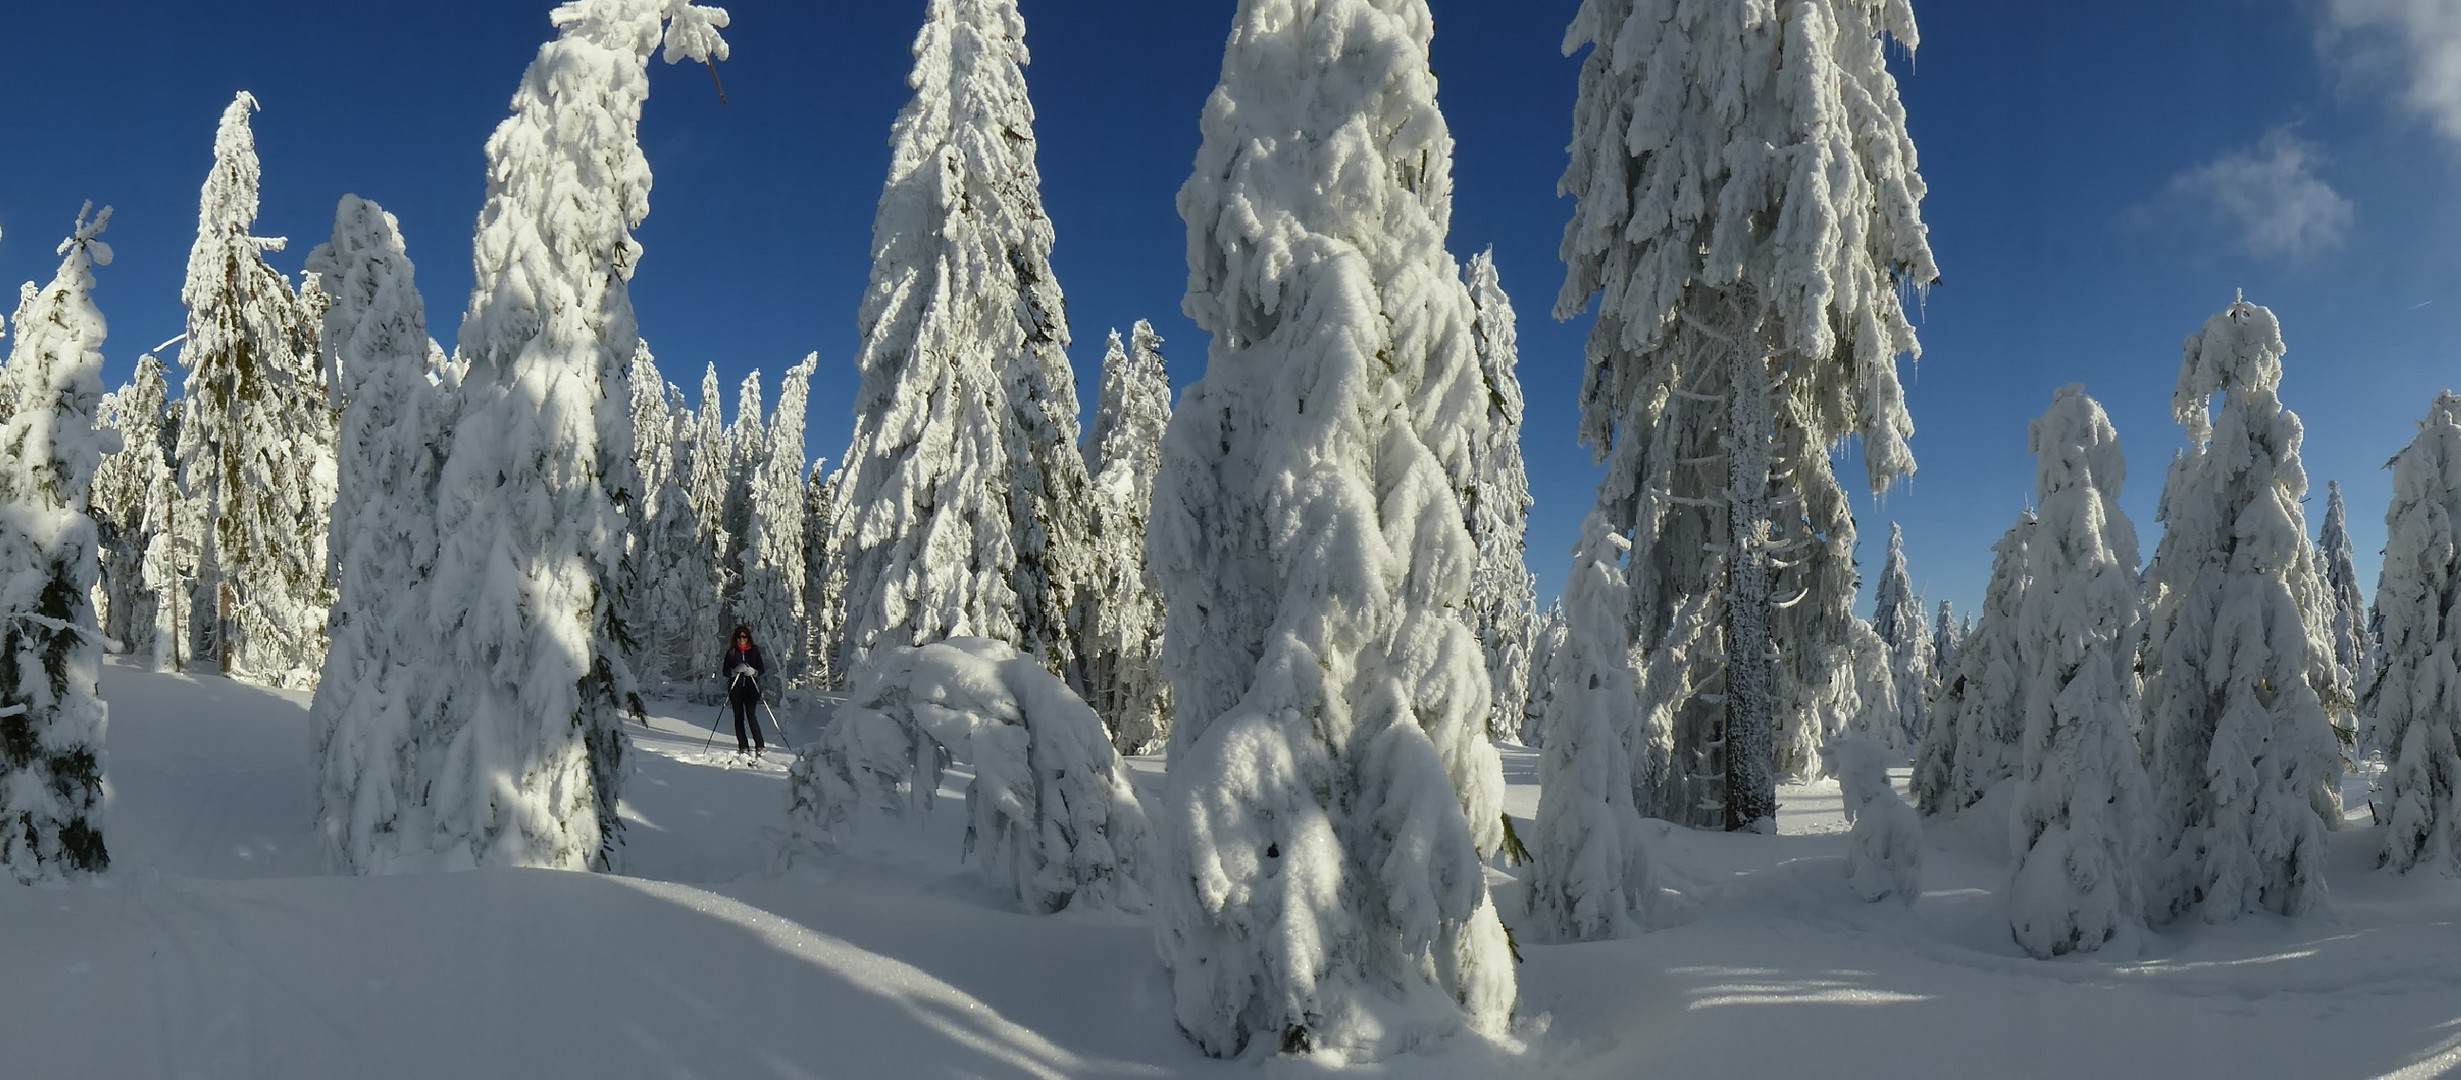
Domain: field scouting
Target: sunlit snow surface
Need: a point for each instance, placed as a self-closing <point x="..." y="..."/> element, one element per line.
<point x="210" y="951"/>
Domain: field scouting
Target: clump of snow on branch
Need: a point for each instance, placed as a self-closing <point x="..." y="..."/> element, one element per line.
<point x="1050" y="813"/>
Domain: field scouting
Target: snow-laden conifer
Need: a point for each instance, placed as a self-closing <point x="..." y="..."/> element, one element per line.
<point x="1050" y="813"/>
<point x="1331" y="790"/>
<point x="749" y="439"/>
<point x="255" y="440"/>
<point x="824" y="597"/>
<point x="1749" y="219"/>
<point x="773" y="568"/>
<point x="366" y="711"/>
<point x="1545" y="646"/>
<point x="1944" y="640"/>
<point x="1884" y="851"/>
<point x="1979" y="716"/>
<point x="131" y="504"/>
<point x="1589" y="871"/>
<point x="2240" y="750"/>
<point x="2415" y="700"/>
<point x="521" y="601"/>
<point x="2354" y="649"/>
<point x="51" y="721"/>
<point x="706" y="572"/>
<point x="1503" y="593"/>
<point x="1897" y="616"/>
<point x="963" y="491"/>
<point x="1123" y="621"/>
<point x="653" y="467"/>
<point x="1864" y="703"/>
<point x="2079" y="819"/>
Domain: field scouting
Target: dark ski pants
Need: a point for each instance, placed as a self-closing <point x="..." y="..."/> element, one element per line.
<point x="747" y="716"/>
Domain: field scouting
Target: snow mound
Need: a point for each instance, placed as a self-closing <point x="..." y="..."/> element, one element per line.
<point x="1884" y="854"/>
<point x="1050" y="812"/>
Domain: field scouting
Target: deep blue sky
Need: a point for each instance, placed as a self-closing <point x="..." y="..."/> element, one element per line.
<point x="2083" y="162"/>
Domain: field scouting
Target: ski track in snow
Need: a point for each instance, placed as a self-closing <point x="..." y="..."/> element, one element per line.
<point x="214" y="948"/>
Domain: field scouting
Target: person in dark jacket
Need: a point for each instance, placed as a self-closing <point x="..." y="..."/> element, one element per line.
<point x="742" y="668"/>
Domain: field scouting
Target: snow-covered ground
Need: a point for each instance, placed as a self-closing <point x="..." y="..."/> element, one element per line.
<point x="213" y="949"/>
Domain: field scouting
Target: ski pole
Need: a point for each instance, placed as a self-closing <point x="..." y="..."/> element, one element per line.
<point x="775" y="725"/>
<point x="712" y="740"/>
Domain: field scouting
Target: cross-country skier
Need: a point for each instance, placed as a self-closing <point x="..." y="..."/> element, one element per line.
<point x="743" y="667"/>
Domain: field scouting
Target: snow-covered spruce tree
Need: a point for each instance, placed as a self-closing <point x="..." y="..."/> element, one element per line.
<point x="1897" y="616"/>
<point x="963" y="496"/>
<point x="1545" y="646"/>
<point x="255" y="439"/>
<point x="773" y="569"/>
<point x="2354" y="650"/>
<point x="367" y="744"/>
<point x="521" y="603"/>
<point x="1050" y="813"/>
<point x="750" y="442"/>
<point x="2079" y="818"/>
<point x="707" y="569"/>
<point x="824" y="598"/>
<point x="2238" y="745"/>
<point x="1863" y="704"/>
<point x="2415" y="701"/>
<point x="1503" y="593"/>
<point x="51" y="721"/>
<point x="1978" y="718"/>
<point x="1589" y="871"/>
<point x="1123" y="620"/>
<point x="1748" y="218"/>
<point x="1331" y="790"/>
<point x="131" y="508"/>
<point x="653" y="467"/>
<point x="1944" y="641"/>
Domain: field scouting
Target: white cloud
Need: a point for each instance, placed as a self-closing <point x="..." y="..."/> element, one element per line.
<point x="2271" y="195"/>
<point x="2416" y="42"/>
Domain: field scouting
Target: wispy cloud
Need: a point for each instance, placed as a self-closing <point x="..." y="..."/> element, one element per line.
<point x="2271" y="196"/>
<point x="2415" y="42"/>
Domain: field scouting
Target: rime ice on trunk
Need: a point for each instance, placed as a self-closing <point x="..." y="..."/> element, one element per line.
<point x="1331" y="789"/>
<point x="1748" y="217"/>
<point x="51" y="721"/>
<point x="2239" y="746"/>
